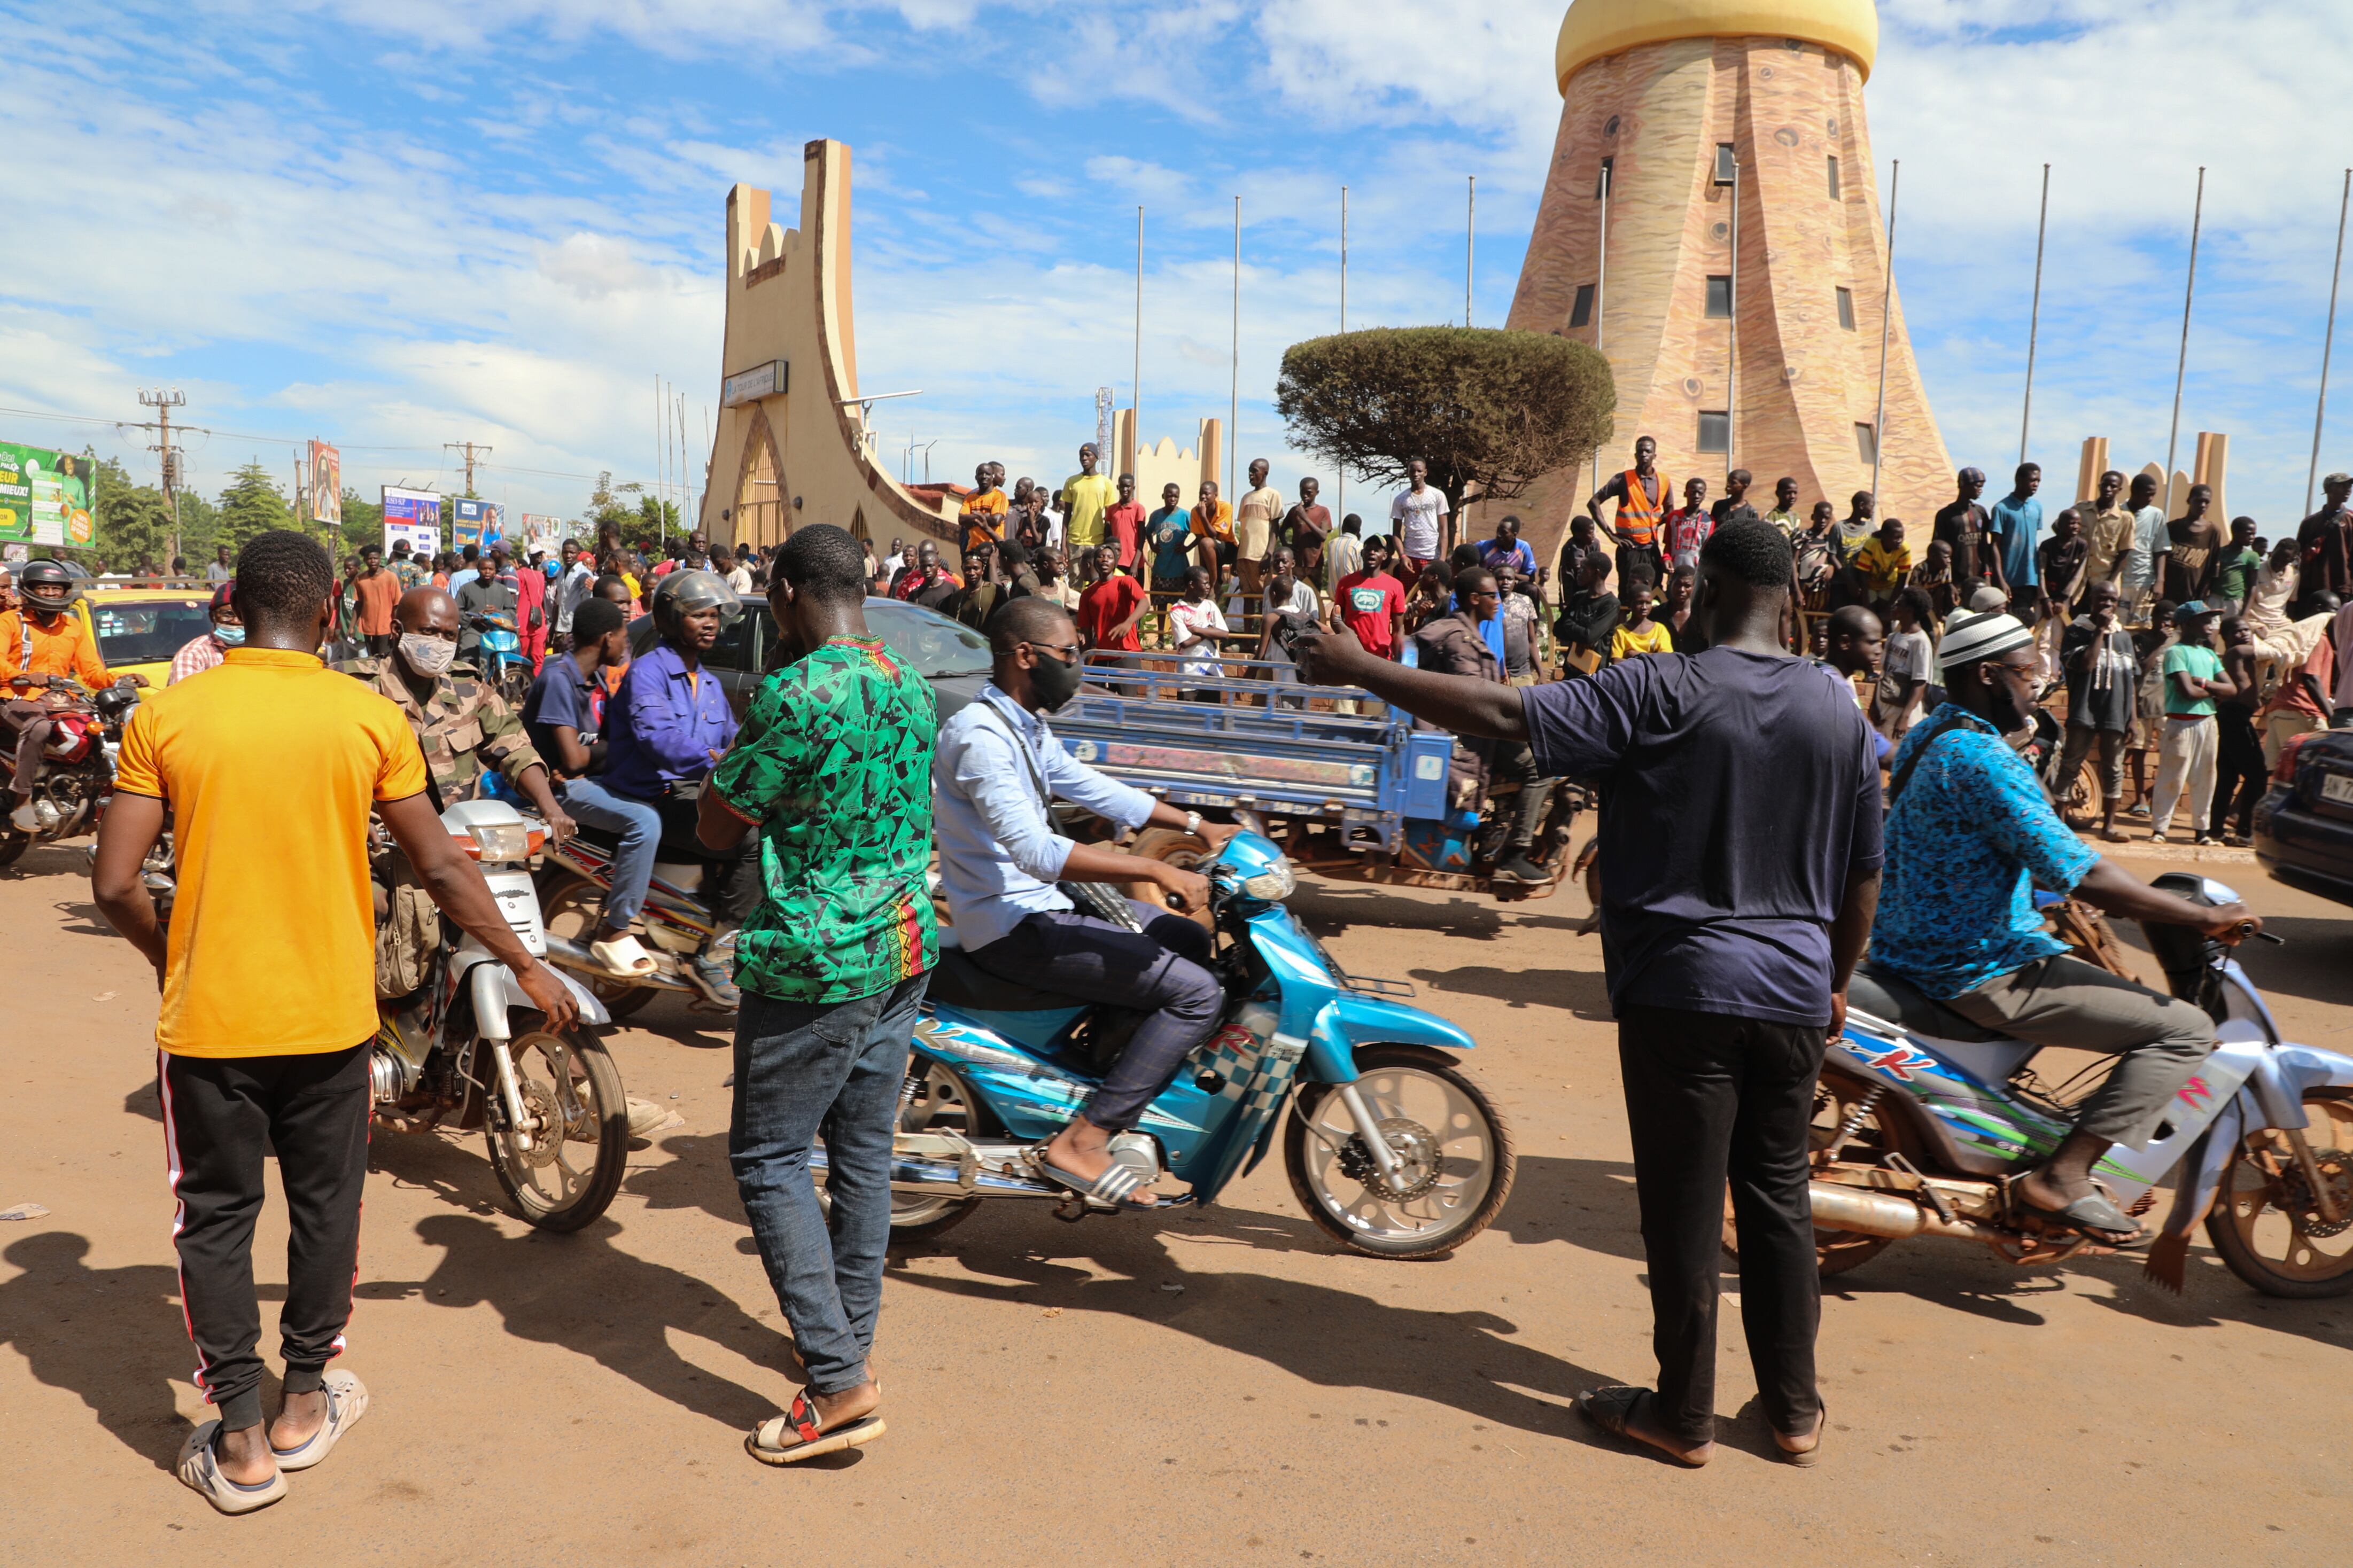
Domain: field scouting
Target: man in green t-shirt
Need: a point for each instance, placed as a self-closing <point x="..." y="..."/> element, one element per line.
<point x="833" y="771"/>
<point x="2235" y="568"/>
<point x="2186" y="756"/>
<point x="1085" y="497"/>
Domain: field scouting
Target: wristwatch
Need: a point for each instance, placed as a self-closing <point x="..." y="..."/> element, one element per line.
<point x="1193" y="824"/>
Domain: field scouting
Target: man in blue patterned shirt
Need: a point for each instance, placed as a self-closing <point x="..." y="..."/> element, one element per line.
<point x="1970" y="836"/>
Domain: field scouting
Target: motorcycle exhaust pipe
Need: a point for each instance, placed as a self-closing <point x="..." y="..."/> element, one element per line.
<point x="565" y="953"/>
<point x="1863" y="1212"/>
<point x="910" y="1173"/>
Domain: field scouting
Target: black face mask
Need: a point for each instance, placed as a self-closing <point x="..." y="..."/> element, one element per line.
<point x="1056" y="682"/>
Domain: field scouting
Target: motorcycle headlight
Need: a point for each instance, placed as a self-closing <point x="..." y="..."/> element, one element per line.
<point x="1273" y="885"/>
<point x="494" y="842"/>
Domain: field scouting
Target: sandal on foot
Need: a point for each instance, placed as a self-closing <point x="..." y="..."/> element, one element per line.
<point x="1113" y="1189"/>
<point x="2113" y="835"/>
<point x="1611" y="1408"/>
<point x="768" y="1442"/>
<point x="2093" y="1214"/>
<point x="347" y="1401"/>
<point x="622" y="958"/>
<point x="1811" y="1452"/>
<point x="199" y="1468"/>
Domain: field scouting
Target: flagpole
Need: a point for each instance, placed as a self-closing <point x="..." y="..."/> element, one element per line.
<point x="1600" y="301"/>
<point x="2327" y="342"/>
<point x="1136" y="375"/>
<point x="2181" y="365"/>
<point x="1886" y="318"/>
<point x="2034" y="316"/>
<point x="1234" y="410"/>
<point x="1341" y="500"/>
<point x="1470" y="248"/>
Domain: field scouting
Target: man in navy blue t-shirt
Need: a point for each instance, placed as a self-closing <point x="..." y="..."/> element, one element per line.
<point x="1740" y="854"/>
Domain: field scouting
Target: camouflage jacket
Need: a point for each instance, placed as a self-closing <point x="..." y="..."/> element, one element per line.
<point x="466" y="729"/>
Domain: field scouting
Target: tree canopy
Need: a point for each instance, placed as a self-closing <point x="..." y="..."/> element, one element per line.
<point x="1478" y="405"/>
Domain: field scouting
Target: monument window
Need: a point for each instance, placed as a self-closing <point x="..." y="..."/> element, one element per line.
<point x="1714" y="431"/>
<point x="1728" y="162"/>
<point x="1866" y="442"/>
<point x="1846" y="309"/>
<point x="1719" y="298"/>
<point x="1834" y="184"/>
<point x="1601" y="181"/>
<point x="1581" y="314"/>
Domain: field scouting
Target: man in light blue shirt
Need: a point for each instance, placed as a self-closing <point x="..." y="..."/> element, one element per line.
<point x="996" y="769"/>
<point x="2017" y="528"/>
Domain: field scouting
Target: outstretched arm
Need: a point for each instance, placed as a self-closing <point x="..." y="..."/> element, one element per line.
<point x="1463" y="704"/>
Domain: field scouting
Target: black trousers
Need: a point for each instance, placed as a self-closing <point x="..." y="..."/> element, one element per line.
<point x="2240" y="775"/>
<point x="735" y="878"/>
<point x="313" y="1111"/>
<point x="1712" y="1098"/>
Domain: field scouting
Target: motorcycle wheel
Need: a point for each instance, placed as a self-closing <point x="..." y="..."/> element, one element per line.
<point x="1835" y="1097"/>
<point x="1177" y="848"/>
<point x="2266" y="1223"/>
<point x="570" y="907"/>
<point x="946" y="1102"/>
<point x="568" y="1080"/>
<point x="1456" y="1147"/>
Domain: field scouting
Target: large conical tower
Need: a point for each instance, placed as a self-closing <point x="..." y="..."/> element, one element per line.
<point x="1667" y="97"/>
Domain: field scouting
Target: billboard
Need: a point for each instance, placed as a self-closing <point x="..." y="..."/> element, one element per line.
<point x="548" y="533"/>
<point x="326" y="484"/>
<point x="45" y="497"/>
<point x="413" y="515"/>
<point x="472" y="522"/>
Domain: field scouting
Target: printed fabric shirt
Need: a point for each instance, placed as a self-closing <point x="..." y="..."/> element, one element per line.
<point x="1882" y="570"/>
<point x="195" y="656"/>
<point x="465" y="729"/>
<point x="1968" y="841"/>
<point x="834" y="770"/>
<point x="1687" y="530"/>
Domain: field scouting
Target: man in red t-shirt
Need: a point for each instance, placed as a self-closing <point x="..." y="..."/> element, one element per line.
<point x="1110" y="611"/>
<point x="1372" y="602"/>
<point x="1123" y="521"/>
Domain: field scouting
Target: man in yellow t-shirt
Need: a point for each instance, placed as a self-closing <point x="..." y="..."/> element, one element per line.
<point x="985" y="509"/>
<point x="269" y="765"/>
<point x="1254" y="518"/>
<point x="1085" y="497"/>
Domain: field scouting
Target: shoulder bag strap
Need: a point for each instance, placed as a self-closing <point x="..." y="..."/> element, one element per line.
<point x="1937" y="732"/>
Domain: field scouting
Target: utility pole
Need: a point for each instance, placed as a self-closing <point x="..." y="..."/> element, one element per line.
<point x="1469" y="246"/>
<point x="2328" y="338"/>
<point x="2034" y="317"/>
<point x="162" y="401"/>
<point x="2181" y="367"/>
<point x="469" y="449"/>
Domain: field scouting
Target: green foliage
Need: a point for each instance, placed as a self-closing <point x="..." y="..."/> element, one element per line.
<point x="641" y="528"/>
<point x="1477" y="405"/>
<point x="362" y="521"/>
<point x="134" y="521"/>
<point x="252" y="504"/>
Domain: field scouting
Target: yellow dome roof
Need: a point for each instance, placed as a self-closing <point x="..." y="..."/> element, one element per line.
<point x="1597" y="27"/>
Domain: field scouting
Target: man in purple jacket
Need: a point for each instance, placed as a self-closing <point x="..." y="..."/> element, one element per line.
<point x="666" y="729"/>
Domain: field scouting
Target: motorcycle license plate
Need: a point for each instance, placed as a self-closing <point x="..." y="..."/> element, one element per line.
<point x="2337" y="787"/>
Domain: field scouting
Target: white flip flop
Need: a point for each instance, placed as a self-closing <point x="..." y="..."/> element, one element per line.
<point x="347" y="1401"/>
<point x="199" y="1468"/>
<point x="622" y="958"/>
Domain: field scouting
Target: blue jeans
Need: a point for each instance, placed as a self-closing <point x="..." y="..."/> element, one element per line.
<point x="833" y="1067"/>
<point x="640" y="825"/>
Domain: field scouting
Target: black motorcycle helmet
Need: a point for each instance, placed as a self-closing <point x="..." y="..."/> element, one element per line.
<point x="46" y="586"/>
<point x="684" y="591"/>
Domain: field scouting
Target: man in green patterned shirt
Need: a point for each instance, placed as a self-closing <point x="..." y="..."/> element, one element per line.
<point x="833" y="770"/>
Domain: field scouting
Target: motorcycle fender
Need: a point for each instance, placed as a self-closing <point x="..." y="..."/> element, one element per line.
<point x="2272" y="1096"/>
<point x="492" y="988"/>
<point x="1350" y="1020"/>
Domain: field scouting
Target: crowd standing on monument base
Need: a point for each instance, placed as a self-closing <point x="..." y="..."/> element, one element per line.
<point x="1674" y="652"/>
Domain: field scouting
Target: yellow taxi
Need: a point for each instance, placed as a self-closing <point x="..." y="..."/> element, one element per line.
<point x="141" y="622"/>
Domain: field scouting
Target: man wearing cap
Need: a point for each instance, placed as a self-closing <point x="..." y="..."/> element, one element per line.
<point x="201" y="653"/>
<point x="1965" y="526"/>
<point x="1970" y="836"/>
<point x="2186" y="756"/>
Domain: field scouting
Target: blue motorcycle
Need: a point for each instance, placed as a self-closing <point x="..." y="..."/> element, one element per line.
<point x="1391" y="1148"/>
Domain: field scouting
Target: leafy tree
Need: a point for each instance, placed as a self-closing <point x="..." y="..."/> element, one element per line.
<point x="1478" y="405"/>
<point x="363" y="519"/>
<point x="251" y="504"/>
<point x="134" y="521"/>
<point x="639" y="528"/>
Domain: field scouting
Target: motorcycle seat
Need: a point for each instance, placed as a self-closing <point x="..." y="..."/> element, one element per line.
<point x="960" y="982"/>
<point x="1887" y="995"/>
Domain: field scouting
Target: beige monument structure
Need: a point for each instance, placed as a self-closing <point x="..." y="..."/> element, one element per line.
<point x="793" y="445"/>
<point x="1720" y="147"/>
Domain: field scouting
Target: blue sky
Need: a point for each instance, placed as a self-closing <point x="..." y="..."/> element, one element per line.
<point x="394" y="226"/>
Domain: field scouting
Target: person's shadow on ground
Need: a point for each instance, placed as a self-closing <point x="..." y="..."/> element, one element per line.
<point x="94" y="1331"/>
<point x="583" y="1293"/>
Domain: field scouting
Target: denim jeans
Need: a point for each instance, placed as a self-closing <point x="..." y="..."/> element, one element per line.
<point x="805" y="1068"/>
<point x="640" y="825"/>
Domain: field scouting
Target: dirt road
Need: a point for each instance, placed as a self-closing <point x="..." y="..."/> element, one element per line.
<point x="1219" y="1387"/>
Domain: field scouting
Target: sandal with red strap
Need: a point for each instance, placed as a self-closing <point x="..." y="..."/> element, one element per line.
<point x="767" y="1442"/>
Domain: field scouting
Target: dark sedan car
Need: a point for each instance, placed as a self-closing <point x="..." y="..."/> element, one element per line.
<point x="2304" y="825"/>
<point x="953" y="657"/>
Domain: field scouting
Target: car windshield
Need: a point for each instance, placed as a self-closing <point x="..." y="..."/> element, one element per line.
<point x="934" y="645"/>
<point x="150" y="631"/>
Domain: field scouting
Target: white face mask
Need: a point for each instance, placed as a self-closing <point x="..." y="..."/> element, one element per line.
<point x="428" y="656"/>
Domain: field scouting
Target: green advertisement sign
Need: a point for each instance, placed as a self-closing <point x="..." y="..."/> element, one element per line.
<point x="45" y="495"/>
